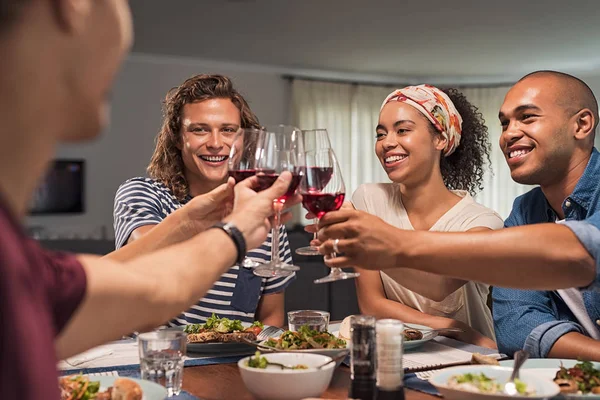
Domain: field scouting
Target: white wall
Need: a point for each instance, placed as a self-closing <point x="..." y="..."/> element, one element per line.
<point x="125" y="149"/>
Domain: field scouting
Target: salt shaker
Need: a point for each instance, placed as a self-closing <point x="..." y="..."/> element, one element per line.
<point x="390" y="373"/>
<point x="362" y="357"/>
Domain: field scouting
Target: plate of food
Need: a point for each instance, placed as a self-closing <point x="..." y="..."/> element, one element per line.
<point x="486" y="382"/>
<point x="222" y="335"/>
<point x="109" y="387"/>
<point x="576" y="379"/>
<point x="414" y="335"/>
<point x="308" y="341"/>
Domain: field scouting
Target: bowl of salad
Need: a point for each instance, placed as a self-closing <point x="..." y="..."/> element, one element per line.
<point x="306" y="340"/>
<point x="266" y="379"/>
<point x="486" y="382"/>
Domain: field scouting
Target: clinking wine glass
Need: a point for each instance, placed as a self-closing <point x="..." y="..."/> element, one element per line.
<point x="324" y="192"/>
<point x="242" y="165"/>
<point x="280" y="149"/>
<point x="315" y="140"/>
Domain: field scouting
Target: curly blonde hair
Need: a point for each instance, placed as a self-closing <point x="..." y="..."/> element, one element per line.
<point x="166" y="164"/>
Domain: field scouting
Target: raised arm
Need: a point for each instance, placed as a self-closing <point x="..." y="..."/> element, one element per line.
<point x="137" y="219"/>
<point x="141" y="293"/>
<point x="432" y="286"/>
<point x="540" y="257"/>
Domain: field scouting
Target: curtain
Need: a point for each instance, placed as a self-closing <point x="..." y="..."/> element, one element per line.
<point x="350" y="113"/>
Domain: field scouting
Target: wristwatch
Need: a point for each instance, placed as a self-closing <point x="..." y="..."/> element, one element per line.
<point x="237" y="237"/>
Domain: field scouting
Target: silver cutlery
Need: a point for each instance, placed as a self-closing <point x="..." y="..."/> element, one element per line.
<point x="509" y="387"/>
<point x="269" y="332"/>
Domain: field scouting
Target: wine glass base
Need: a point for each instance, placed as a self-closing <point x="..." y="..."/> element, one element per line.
<point x="275" y="270"/>
<point x="340" y="276"/>
<point x="249" y="263"/>
<point x="308" y="251"/>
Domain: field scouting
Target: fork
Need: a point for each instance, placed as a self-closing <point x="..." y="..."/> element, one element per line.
<point x="268" y="332"/>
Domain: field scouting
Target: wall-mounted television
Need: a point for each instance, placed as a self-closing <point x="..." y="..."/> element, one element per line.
<point x="61" y="190"/>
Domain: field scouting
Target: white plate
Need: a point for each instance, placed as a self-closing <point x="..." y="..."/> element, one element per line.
<point x="407" y="345"/>
<point x="413" y="344"/>
<point x="548" y="367"/>
<point x="543" y="387"/>
<point x="151" y="390"/>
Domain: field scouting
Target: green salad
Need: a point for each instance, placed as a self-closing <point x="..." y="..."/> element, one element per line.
<point x="78" y="387"/>
<point x="257" y="361"/>
<point x="582" y="378"/>
<point x="221" y="325"/>
<point x="261" y="362"/>
<point x="481" y="383"/>
<point x="306" y="338"/>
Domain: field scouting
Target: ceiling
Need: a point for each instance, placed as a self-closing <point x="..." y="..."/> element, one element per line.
<point x="460" y="40"/>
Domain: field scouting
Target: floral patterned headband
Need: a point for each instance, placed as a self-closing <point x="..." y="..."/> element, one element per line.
<point x="437" y="107"/>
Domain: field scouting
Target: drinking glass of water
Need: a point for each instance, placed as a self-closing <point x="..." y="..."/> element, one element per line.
<point x="161" y="358"/>
<point x="315" y="320"/>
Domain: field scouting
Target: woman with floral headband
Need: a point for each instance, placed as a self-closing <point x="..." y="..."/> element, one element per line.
<point x="433" y="146"/>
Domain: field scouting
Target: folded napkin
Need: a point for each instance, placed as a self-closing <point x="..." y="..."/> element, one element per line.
<point x="88" y="356"/>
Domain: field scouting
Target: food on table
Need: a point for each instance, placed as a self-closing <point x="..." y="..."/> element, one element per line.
<point x="412" y="334"/>
<point x="306" y="338"/>
<point x="481" y="383"/>
<point x="345" y="329"/>
<point x="79" y="387"/>
<point x="483" y="359"/>
<point x="583" y="378"/>
<point x="261" y="362"/>
<point x="222" y="330"/>
<point x="126" y="389"/>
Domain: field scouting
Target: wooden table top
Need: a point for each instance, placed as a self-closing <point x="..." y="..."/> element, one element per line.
<point x="223" y="381"/>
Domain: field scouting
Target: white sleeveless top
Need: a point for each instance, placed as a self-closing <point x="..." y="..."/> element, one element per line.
<point x="467" y="304"/>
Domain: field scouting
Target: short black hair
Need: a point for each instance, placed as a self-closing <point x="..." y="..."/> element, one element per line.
<point x="576" y="92"/>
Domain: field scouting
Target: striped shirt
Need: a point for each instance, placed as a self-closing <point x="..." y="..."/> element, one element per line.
<point x="144" y="201"/>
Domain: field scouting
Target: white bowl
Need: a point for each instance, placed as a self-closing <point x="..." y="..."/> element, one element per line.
<point x="288" y="384"/>
<point x="544" y="388"/>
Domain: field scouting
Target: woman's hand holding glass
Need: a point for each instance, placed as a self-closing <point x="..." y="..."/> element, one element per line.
<point x="323" y="190"/>
<point x="365" y="241"/>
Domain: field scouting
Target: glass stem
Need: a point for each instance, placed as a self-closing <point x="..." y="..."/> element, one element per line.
<point x="316" y="222"/>
<point x="275" y="233"/>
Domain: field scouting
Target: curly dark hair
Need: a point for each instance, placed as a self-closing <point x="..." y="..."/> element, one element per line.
<point x="166" y="165"/>
<point x="465" y="168"/>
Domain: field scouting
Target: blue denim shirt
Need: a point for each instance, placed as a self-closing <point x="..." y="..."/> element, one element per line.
<point x="535" y="320"/>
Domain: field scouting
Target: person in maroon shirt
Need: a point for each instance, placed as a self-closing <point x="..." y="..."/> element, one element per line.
<point x="59" y="58"/>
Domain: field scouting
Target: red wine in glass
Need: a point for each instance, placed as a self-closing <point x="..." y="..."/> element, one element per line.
<point x="240" y="175"/>
<point x="317" y="177"/>
<point x="266" y="180"/>
<point x="321" y="203"/>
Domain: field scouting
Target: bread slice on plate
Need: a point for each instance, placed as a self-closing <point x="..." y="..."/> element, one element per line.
<point x="216" y="337"/>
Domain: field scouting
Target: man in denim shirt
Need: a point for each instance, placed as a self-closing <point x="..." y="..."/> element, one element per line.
<point x="549" y="121"/>
<point x="563" y="323"/>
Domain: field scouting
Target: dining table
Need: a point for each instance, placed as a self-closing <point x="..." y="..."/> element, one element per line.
<point x="223" y="381"/>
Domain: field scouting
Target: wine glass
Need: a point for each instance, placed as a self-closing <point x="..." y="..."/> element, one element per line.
<point x="242" y="165"/>
<point x="323" y="192"/>
<point x="280" y="149"/>
<point x="314" y="140"/>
